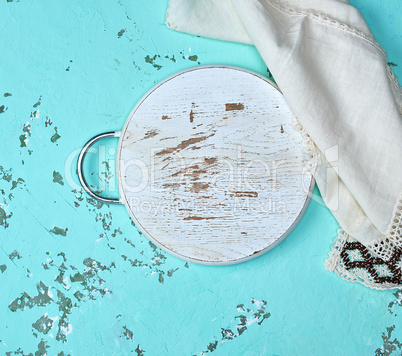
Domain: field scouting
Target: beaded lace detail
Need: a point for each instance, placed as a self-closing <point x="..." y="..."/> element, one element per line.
<point x="353" y="262"/>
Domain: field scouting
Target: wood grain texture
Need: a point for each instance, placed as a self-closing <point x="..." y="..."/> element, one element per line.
<point x="210" y="166"/>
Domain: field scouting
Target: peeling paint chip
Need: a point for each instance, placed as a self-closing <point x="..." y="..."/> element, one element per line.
<point x="43" y="324"/>
<point x="120" y="33"/>
<point x="151" y="60"/>
<point x="58" y="231"/>
<point x="128" y="333"/>
<point x="57" y="178"/>
<point x="56" y="136"/>
<point x="14" y="255"/>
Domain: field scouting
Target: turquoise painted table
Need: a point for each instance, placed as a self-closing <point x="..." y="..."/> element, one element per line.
<point x="77" y="278"/>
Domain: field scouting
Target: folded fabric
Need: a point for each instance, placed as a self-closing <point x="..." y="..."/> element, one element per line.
<point x="335" y="78"/>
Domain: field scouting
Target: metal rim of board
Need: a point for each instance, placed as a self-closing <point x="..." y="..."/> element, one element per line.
<point x="227" y="96"/>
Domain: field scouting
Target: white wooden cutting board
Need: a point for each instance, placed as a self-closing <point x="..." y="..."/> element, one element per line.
<point x="210" y="166"/>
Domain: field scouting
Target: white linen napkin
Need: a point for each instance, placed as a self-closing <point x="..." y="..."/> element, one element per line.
<point x="335" y="78"/>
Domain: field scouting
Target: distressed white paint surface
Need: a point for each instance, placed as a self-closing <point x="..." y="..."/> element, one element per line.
<point x="210" y="166"/>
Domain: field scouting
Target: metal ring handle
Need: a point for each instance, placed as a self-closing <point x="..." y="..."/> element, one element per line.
<point x="80" y="165"/>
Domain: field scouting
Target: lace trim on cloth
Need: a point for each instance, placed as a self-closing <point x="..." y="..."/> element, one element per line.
<point x="354" y="262"/>
<point x="309" y="148"/>
<point x="385" y="248"/>
<point x="397" y="88"/>
<point x="395" y="227"/>
<point x="394" y="80"/>
<point x="169" y="20"/>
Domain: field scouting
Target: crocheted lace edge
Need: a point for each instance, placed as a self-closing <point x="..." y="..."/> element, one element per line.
<point x="169" y="23"/>
<point x="309" y="148"/>
<point x="385" y="246"/>
<point x="334" y="256"/>
<point x="395" y="83"/>
<point x="333" y="263"/>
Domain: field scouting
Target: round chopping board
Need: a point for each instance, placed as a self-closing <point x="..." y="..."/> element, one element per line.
<point x="210" y="167"/>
